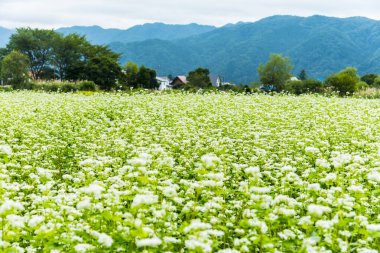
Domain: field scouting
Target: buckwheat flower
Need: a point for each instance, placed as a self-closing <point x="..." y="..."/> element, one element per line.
<point x="95" y="188"/>
<point x="105" y="239"/>
<point x="341" y="159"/>
<point x="314" y="187"/>
<point x="312" y="150"/>
<point x="5" y="150"/>
<point x="35" y="221"/>
<point x="83" y="247"/>
<point x="373" y="227"/>
<point x="210" y="160"/>
<point x="288" y="168"/>
<point x="168" y="239"/>
<point x="194" y="244"/>
<point x="287" y="234"/>
<point x="331" y="177"/>
<point x="253" y="171"/>
<point x="374" y="176"/>
<point x="197" y="225"/>
<point x="84" y="204"/>
<point x="148" y="242"/>
<point x="323" y="163"/>
<point x="144" y="199"/>
<point x="228" y="251"/>
<point x="16" y="221"/>
<point x="366" y="250"/>
<point x="9" y="205"/>
<point x="318" y="210"/>
<point x="306" y="220"/>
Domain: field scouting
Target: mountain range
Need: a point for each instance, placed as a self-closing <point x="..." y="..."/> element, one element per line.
<point x="320" y="45"/>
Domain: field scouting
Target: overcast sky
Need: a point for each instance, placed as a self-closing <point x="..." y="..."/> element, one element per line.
<point x="126" y="13"/>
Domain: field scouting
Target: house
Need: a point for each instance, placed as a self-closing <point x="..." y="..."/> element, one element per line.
<point x="216" y="80"/>
<point x="268" y="88"/>
<point x="179" y="81"/>
<point x="294" y="78"/>
<point x="164" y="82"/>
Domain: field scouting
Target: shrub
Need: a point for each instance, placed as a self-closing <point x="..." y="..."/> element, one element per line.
<point x="345" y="82"/>
<point x="87" y="86"/>
<point x="306" y="86"/>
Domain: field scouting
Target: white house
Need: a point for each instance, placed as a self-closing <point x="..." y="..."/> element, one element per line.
<point x="164" y="82"/>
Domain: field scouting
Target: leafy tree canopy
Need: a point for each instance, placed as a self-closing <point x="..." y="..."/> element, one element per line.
<point x="14" y="69"/>
<point x="276" y="71"/>
<point x="200" y="78"/>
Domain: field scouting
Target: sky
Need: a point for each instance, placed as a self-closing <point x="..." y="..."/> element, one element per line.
<point x="126" y="13"/>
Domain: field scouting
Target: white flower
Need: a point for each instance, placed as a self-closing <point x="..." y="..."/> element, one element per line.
<point x="148" y="242"/>
<point x="83" y="247"/>
<point x="197" y="225"/>
<point x="16" y="221"/>
<point x="374" y="176"/>
<point x="9" y="205"/>
<point x="5" y="150"/>
<point x="373" y="227"/>
<point x="312" y="150"/>
<point x="35" y="221"/>
<point x="105" y="239"/>
<point x="210" y="160"/>
<point x="228" y="251"/>
<point x="318" y="210"/>
<point x="144" y="199"/>
<point x="287" y="234"/>
<point x="95" y="188"/>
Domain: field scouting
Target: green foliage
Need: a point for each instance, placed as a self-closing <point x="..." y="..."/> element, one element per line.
<point x="305" y="86"/>
<point x="72" y="57"/>
<point x="276" y="71"/>
<point x="14" y="69"/>
<point x="131" y="72"/>
<point x="199" y="78"/>
<point x="38" y="45"/>
<point x="344" y="82"/>
<point x="68" y="55"/>
<point x="146" y="78"/>
<point x="376" y="82"/>
<point x="369" y="79"/>
<point x="302" y="75"/>
<point x="362" y="85"/>
<point x="87" y="86"/>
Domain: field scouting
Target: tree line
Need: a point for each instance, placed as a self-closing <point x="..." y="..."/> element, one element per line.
<point x="39" y="54"/>
<point x="275" y="75"/>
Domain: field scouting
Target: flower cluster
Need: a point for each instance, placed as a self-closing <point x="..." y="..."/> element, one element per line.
<point x="188" y="173"/>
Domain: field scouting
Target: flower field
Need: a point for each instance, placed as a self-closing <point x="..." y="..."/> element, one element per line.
<point x="188" y="173"/>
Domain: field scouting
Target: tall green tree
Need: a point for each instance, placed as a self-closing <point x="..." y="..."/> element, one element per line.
<point x="200" y="78"/>
<point x="369" y="79"/>
<point x="146" y="78"/>
<point x="302" y="75"/>
<point x="14" y="69"/>
<point x="276" y="72"/>
<point x="346" y="81"/>
<point x="37" y="44"/>
<point x="131" y="72"/>
<point x="101" y="65"/>
<point x="68" y="54"/>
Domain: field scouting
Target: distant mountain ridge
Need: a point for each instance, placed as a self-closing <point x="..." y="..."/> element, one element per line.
<point x="5" y="34"/>
<point x="321" y="45"/>
<point x="98" y="35"/>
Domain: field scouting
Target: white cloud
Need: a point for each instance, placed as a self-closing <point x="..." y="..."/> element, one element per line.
<point x="125" y="13"/>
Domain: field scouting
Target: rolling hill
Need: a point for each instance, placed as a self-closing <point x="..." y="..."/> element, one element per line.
<point x="98" y="35"/>
<point x="5" y="34"/>
<point x="321" y="45"/>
